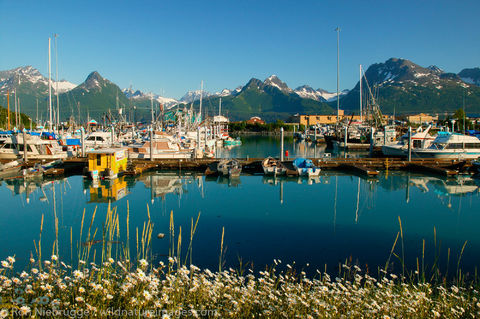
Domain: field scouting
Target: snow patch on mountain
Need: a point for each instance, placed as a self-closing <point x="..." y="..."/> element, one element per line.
<point x="139" y="95"/>
<point x="63" y="86"/>
<point x="274" y="81"/>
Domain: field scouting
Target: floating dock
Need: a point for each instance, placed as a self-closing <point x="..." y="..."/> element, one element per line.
<point x="369" y="167"/>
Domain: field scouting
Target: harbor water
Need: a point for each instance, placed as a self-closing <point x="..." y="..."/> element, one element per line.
<point x="314" y="223"/>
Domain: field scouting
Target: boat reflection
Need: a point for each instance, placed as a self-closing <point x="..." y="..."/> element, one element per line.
<point x="459" y="186"/>
<point x="225" y="180"/>
<point x="161" y="184"/>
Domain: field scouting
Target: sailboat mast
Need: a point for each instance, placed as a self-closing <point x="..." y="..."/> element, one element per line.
<point x="338" y="68"/>
<point x="8" y="108"/>
<point x="36" y="119"/>
<point x="220" y="107"/>
<point x="361" y="93"/>
<point x="151" y="108"/>
<point x="464" y="112"/>
<point x="16" y="117"/>
<point x="50" y="83"/>
<point x="201" y="95"/>
<point x="56" y="80"/>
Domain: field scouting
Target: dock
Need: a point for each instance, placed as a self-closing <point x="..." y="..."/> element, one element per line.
<point x="369" y="167"/>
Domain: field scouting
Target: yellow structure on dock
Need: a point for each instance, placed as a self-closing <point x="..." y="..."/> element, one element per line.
<point x="107" y="163"/>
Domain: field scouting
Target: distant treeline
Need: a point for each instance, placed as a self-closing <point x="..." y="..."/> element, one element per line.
<point x="24" y="119"/>
<point x="258" y="127"/>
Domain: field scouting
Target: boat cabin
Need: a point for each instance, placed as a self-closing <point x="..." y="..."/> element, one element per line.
<point x="107" y="163"/>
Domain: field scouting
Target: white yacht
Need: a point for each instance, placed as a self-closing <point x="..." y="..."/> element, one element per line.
<point x="450" y="145"/>
<point x="37" y="148"/>
<point x="163" y="147"/>
<point x="421" y="139"/>
<point x="98" y="140"/>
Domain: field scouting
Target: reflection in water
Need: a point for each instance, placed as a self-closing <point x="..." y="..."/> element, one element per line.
<point x="162" y="184"/>
<point x="319" y="220"/>
<point x="105" y="191"/>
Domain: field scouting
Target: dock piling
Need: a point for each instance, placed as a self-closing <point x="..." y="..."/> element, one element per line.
<point x="372" y="142"/>
<point x="82" y="141"/>
<point x="25" y="157"/>
<point x="151" y="143"/>
<point x="409" y="143"/>
<point x="281" y="144"/>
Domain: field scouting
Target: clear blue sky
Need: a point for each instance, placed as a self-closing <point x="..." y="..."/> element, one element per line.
<point x="168" y="47"/>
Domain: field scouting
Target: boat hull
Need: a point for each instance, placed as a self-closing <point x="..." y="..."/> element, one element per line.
<point x="446" y="154"/>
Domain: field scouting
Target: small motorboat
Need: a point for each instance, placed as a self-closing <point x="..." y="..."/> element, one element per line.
<point x="229" y="167"/>
<point x="11" y="169"/>
<point x="305" y="167"/>
<point x="273" y="166"/>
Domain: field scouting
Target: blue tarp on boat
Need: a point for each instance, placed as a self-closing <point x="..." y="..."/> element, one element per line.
<point x="72" y="141"/>
<point x="303" y="163"/>
<point x="48" y="135"/>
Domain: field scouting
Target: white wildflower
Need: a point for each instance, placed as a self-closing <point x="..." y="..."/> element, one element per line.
<point x="143" y="263"/>
<point x="24" y="310"/>
<point x="78" y="274"/>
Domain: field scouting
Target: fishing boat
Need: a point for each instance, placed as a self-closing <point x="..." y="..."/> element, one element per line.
<point x="229" y="167"/>
<point x="421" y="139"/>
<point x="37" y="148"/>
<point x="273" y="166"/>
<point x="305" y="167"/>
<point x="450" y="145"/>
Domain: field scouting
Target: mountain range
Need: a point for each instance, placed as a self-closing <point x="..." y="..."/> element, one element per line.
<point x="398" y="85"/>
<point x="402" y="86"/>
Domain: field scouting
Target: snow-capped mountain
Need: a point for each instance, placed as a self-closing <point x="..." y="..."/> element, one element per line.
<point x="470" y="76"/>
<point x="307" y="92"/>
<point x="139" y="95"/>
<point x="403" y="86"/>
<point x="28" y="76"/>
<point x="274" y="81"/>
<point x="192" y="96"/>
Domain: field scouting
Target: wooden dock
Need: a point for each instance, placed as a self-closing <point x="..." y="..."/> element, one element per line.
<point x="363" y="166"/>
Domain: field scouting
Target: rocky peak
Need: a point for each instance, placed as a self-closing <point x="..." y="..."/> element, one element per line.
<point x="470" y="76"/>
<point x="253" y="84"/>
<point x="94" y="80"/>
<point x="274" y="81"/>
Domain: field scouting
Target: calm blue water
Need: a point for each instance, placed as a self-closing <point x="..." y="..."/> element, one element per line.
<point x="323" y="221"/>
